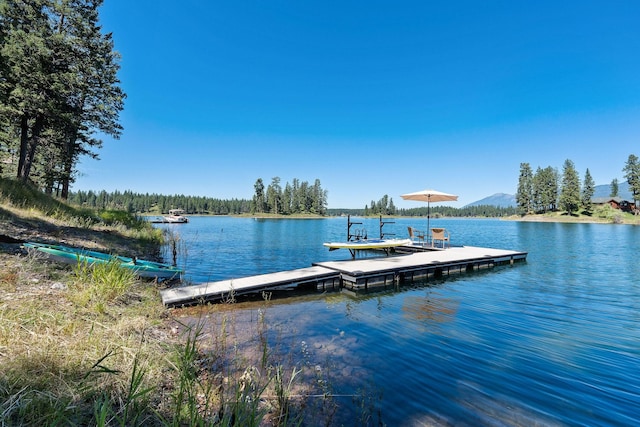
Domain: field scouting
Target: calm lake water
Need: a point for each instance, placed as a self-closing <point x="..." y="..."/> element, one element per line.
<point x="552" y="341"/>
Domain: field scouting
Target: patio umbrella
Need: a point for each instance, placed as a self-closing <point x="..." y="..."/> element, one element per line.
<point x="429" y="196"/>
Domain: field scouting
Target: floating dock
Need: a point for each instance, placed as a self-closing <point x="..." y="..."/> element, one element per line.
<point x="353" y="274"/>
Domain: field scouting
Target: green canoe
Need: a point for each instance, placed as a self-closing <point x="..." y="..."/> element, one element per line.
<point x="69" y="255"/>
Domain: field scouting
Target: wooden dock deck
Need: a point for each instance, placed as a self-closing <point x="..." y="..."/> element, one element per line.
<point x="361" y="274"/>
<point x="224" y="289"/>
<point x="354" y="275"/>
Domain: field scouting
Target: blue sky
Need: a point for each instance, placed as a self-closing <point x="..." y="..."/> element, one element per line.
<point x="372" y="98"/>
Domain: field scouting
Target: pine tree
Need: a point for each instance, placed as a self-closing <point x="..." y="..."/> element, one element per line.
<point x="392" y="208"/>
<point x="588" y="189"/>
<point x="296" y="198"/>
<point x="306" y="201"/>
<point x="26" y="55"/>
<point x="94" y="99"/>
<point x="614" y="188"/>
<point x="258" y="204"/>
<point x="287" y="198"/>
<point x="524" y="195"/>
<point x="632" y="174"/>
<point x="58" y="87"/>
<point x="545" y="189"/>
<point x="570" y="192"/>
<point x="274" y="196"/>
<point x="319" y="196"/>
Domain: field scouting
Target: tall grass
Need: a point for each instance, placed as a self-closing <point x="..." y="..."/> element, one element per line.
<point x="95" y="285"/>
<point x="174" y="245"/>
<point x="117" y="364"/>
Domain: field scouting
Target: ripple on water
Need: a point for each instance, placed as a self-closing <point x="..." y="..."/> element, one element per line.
<point x="553" y="341"/>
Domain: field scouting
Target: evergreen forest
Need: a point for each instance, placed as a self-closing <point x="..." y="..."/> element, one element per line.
<point x="548" y="190"/>
<point x="160" y="204"/>
<point x="59" y="89"/>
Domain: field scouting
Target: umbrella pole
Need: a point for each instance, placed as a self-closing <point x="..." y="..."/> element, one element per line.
<point x="428" y="233"/>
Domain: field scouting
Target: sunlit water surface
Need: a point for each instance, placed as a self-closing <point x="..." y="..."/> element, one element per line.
<point x="552" y="341"/>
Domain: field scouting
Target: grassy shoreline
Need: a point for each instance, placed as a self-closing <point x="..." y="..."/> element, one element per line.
<point x="72" y="339"/>
<point x="601" y="216"/>
<point x="95" y="346"/>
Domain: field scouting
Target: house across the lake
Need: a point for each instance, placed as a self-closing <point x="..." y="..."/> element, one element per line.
<point x="614" y="202"/>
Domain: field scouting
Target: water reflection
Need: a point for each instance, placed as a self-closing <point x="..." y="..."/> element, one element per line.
<point x="430" y="309"/>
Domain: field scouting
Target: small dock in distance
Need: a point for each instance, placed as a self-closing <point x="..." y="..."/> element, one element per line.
<point x="352" y="274"/>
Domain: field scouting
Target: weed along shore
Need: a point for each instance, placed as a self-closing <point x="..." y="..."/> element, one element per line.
<point x="95" y="346"/>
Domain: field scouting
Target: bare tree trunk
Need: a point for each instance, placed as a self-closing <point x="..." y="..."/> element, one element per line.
<point x="68" y="167"/>
<point x="24" y="142"/>
<point x="30" y="147"/>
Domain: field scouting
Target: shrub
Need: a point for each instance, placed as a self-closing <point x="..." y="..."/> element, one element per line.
<point x="113" y="217"/>
<point x="604" y="212"/>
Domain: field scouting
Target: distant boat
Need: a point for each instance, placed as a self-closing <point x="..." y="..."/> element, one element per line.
<point x="69" y="255"/>
<point x="176" y="216"/>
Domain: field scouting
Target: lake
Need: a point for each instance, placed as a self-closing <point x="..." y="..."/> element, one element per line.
<point x="551" y="341"/>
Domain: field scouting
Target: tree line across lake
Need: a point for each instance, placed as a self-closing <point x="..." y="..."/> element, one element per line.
<point x="547" y="190"/>
<point x="297" y="198"/>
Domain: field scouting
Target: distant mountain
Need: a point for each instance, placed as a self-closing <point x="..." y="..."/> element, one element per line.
<point x="500" y="200"/>
<point x="503" y="200"/>
<point x="605" y="191"/>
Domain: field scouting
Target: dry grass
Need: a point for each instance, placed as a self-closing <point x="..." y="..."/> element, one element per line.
<point x="121" y="359"/>
<point x="56" y="354"/>
<point x="70" y="339"/>
<point x="96" y="347"/>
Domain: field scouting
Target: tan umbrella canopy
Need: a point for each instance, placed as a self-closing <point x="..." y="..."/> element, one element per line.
<point x="429" y="196"/>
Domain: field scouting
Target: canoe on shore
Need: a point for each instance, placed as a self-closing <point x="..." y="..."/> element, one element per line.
<point x="141" y="267"/>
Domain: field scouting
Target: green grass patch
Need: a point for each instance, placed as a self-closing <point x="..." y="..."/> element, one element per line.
<point x="113" y="217"/>
<point x="98" y="284"/>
